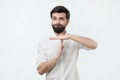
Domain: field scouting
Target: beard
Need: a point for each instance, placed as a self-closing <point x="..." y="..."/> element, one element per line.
<point x="58" y="28"/>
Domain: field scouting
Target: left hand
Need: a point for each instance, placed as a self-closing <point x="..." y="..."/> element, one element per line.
<point x="60" y="37"/>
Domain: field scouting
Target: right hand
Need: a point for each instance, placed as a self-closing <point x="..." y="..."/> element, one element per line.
<point x="61" y="47"/>
<point x="59" y="53"/>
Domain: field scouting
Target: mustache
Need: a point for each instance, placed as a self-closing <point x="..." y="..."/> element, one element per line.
<point x="57" y="25"/>
<point x="58" y="28"/>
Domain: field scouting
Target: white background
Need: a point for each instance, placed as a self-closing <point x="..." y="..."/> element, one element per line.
<point x="24" y="22"/>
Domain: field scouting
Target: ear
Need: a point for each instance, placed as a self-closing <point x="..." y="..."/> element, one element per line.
<point x="67" y="22"/>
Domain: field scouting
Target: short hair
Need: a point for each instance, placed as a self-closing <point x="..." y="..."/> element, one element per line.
<point x="60" y="9"/>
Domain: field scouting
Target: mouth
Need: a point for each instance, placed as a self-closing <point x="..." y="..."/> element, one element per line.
<point x="58" y="28"/>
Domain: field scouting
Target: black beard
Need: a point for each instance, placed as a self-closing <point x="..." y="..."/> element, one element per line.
<point x="58" y="28"/>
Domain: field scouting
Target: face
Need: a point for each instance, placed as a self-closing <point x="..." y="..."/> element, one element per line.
<point x="59" y="22"/>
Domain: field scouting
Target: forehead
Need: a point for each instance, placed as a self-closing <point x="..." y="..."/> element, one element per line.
<point x="58" y="14"/>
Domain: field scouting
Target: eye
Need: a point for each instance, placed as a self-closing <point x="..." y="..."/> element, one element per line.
<point x="61" y="18"/>
<point x="54" y="18"/>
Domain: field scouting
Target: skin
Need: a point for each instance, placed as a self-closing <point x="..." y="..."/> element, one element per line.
<point x="60" y="18"/>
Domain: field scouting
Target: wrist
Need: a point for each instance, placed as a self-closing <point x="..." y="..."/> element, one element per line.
<point x="69" y="36"/>
<point x="56" y="57"/>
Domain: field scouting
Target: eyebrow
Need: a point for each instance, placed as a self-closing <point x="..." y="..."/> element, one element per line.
<point x="59" y="17"/>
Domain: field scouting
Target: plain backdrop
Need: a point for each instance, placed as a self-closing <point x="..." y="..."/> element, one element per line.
<point x="24" y="22"/>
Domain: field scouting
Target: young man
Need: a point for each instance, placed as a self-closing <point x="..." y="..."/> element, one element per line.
<point x="57" y="55"/>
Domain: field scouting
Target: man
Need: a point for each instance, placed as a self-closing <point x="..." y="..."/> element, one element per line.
<point x="57" y="55"/>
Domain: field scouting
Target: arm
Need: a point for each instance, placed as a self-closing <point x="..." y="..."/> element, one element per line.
<point x="47" y="66"/>
<point x="84" y="41"/>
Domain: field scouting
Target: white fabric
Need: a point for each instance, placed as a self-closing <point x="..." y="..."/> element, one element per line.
<point x="65" y="68"/>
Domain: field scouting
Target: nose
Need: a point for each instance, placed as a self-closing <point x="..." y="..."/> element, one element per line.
<point x="57" y="21"/>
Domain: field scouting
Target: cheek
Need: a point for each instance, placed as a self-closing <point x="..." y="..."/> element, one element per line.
<point x="64" y="23"/>
<point x="52" y="22"/>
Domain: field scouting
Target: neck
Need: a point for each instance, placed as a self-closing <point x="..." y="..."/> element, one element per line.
<point x="57" y="34"/>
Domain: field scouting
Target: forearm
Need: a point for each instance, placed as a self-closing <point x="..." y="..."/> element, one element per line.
<point x="47" y="66"/>
<point x="84" y="41"/>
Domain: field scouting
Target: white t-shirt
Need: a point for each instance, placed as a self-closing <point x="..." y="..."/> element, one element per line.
<point x="65" y="68"/>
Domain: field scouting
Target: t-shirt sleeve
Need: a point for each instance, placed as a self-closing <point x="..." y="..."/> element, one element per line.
<point x="41" y="53"/>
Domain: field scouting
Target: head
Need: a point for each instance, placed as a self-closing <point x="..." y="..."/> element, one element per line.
<point x="59" y="18"/>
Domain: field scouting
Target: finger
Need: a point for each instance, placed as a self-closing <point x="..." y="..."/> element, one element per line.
<point x="61" y="41"/>
<point x="54" y="38"/>
<point x="62" y="46"/>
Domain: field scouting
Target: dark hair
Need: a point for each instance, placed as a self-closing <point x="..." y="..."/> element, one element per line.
<point x="60" y="9"/>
